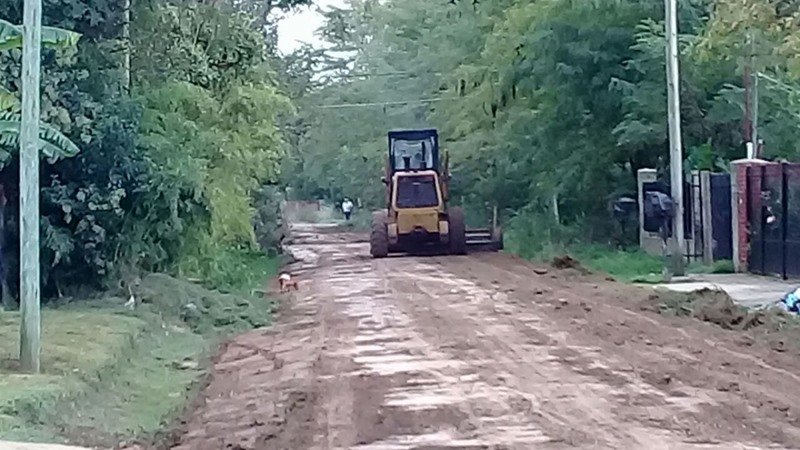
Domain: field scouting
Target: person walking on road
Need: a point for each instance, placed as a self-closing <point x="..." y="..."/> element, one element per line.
<point x="347" y="208"/>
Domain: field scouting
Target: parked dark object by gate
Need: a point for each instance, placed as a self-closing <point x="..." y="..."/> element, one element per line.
<point x="688" y="208"/>
<point x="773" y="219"/>
<point x="659" y="186"/>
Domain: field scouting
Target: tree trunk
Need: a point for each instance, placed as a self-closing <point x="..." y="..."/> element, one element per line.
<point x="556" y="213"/>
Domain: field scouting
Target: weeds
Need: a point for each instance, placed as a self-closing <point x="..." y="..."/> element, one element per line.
<point x="111" y="374"/>
<point x="544" y="244"/>
<point x="718" y="267"/>
<point x="537" y="237"/>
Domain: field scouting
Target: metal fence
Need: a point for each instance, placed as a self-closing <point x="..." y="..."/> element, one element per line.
<point x="773" y="219"/>
<point x="707" y="215"/>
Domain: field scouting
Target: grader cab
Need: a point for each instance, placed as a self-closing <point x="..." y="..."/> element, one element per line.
<point x="417" y="216"/>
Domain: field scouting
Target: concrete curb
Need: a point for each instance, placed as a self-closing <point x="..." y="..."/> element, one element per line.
<point x="6" y="445"/>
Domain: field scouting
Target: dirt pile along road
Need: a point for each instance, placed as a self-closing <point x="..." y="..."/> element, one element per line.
<point x="485" y="352"/>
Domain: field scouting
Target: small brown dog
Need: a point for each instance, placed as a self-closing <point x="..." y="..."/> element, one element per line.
<point x="287" y="282"/>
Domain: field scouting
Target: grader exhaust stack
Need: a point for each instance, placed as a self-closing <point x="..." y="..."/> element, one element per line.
<point x="417" y="216"/>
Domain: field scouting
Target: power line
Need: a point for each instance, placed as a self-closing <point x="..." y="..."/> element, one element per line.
<point x="387" y="74"/>
<point x="399" y="103"/>
<point x="779" y="84"/>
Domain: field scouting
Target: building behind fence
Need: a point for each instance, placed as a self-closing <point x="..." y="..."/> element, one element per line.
<point x="750" y="216"/>
<point x="769" y="218"/>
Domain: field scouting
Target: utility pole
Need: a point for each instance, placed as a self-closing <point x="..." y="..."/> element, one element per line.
<point x="751" y="100"/>
<point x="747" y="126"/>
<point x="756" y="146"/>
<point x="30" y="345"/>
<point x="126" y="37"/>
<point x="675" y="149"/>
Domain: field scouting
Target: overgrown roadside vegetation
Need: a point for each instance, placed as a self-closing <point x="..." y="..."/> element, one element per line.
<point x="163" y="131"/>
<point x="631" y="265"/>
<point x="112" y="374"/>
<point x="624" y="263"/>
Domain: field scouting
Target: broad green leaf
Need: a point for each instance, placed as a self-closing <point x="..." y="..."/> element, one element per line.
<point x="7" y="100"/>
<point x="53" y="144"/>
<point x="11" y="37"/>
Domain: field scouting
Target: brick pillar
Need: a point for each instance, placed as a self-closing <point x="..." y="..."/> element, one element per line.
<point x="741" y="201"/>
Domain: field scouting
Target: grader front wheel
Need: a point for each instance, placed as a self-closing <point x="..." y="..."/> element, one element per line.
<point x="458" y="231"/>
<point x="379" y="236"/>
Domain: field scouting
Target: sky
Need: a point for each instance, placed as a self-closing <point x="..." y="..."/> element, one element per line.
<point x="299" y="27"/>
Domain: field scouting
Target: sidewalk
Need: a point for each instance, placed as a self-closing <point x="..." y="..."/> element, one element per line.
<point x="745" y="289"/>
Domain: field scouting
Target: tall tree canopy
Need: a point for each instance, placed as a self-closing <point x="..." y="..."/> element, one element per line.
<point x="543" y="104"/>
<point x="172" y="170"/>
<point x="548" y="108"/>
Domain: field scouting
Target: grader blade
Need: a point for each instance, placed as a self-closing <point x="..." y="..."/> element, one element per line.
<point x="484" y="240"/>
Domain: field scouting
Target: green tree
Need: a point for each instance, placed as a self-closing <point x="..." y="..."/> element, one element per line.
<point x="54" y="144"/>
<point x="549" y="107"/>
<point x="172" y="171"/>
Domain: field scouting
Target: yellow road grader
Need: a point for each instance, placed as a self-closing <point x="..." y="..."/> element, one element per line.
<point x="417" y="217"/>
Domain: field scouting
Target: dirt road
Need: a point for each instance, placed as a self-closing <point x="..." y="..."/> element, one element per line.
<point x="485" y="352"/>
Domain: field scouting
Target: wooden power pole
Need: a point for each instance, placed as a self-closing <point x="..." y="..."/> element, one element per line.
<point x="675" y="146"/>
<point x="126" y="36"/>
<point x="30" y="345"/>
<point x="749" y="131"/>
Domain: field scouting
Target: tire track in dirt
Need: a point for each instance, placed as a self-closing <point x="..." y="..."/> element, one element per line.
<point x="569" y="386"/>
<point x="734" y="392"/>
<point x="430" y="353"/>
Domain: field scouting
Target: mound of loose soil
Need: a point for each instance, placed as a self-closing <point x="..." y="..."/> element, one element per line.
<point x="717" y="307"/>
<point x="570" y="265"/>
<point x="566" y="262"/>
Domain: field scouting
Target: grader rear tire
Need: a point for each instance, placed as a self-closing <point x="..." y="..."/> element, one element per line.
<point x="458" y="231"/>
<point x="379" y="236"/>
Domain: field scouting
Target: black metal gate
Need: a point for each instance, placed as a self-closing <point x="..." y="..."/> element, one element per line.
<point x="773" y="217"/>
<point x="721" y="216"/>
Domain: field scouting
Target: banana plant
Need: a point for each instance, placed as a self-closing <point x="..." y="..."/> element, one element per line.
<point x="54" y="144"/>
<point x="11" y="37"/>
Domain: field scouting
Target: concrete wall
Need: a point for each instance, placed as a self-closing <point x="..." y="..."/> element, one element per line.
<point x="649" y="242"/>
<point x="694" y="244"/>
<point x="706" y="217"/>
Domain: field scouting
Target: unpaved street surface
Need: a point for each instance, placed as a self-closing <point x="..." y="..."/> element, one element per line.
<point x="485" y="352"/>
